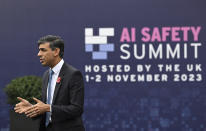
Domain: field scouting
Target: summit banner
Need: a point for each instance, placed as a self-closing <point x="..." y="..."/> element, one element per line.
<point x="179" y="45"/>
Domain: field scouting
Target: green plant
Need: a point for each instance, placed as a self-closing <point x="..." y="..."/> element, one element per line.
<point x="25" y="87"/>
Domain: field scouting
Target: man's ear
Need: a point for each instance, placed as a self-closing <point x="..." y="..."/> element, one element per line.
<point x="56" y="51"/>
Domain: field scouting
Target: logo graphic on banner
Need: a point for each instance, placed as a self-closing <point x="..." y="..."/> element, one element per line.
<point x="101" y="41"/>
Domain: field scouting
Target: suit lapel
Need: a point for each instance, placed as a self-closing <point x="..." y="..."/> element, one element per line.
<point x="44" y="88"/>
<point x="58" y="85"/>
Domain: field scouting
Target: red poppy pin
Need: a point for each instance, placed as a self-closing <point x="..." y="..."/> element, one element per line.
<point x="58" y="79"/>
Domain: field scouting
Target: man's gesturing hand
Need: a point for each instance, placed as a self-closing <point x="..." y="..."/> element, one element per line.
<point x="37" y="109"/>
<point x="22" y="106"/>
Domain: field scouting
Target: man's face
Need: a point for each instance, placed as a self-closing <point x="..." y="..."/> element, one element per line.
<point x="46" y="54"/>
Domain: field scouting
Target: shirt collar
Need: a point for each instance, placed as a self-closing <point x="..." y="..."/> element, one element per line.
<point x="58" y="67"/>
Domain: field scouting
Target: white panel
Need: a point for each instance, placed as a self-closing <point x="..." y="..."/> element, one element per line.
<point x="106" y="31"/>
<point x="96" y="40"/>
<point x="88" y="31"/>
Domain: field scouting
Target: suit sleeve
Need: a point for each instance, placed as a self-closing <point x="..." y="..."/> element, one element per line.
<point x="76" y="98"/>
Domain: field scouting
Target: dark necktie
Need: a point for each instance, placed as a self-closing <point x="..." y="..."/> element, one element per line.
<point x="48" y="114"/>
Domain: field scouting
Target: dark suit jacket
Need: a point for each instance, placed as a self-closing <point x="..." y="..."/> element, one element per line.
<point x="68" y="100"/>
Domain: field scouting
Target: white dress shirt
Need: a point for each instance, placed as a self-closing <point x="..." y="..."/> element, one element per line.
<point x="56" y="71"/>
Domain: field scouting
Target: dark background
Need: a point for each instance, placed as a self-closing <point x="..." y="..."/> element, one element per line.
<point x="108" y="106"/>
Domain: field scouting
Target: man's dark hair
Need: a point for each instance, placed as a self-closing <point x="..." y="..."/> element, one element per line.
<point x="54" y="42"/>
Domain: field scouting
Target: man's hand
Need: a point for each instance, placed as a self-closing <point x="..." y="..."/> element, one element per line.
<point x="37" y="109"/>
<point x="22" y="106"/>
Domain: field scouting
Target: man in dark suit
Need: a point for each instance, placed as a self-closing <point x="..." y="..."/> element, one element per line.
<point x="62" y="102"/>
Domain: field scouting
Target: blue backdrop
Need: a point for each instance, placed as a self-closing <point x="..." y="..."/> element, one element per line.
<point x="109" y="106"/>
